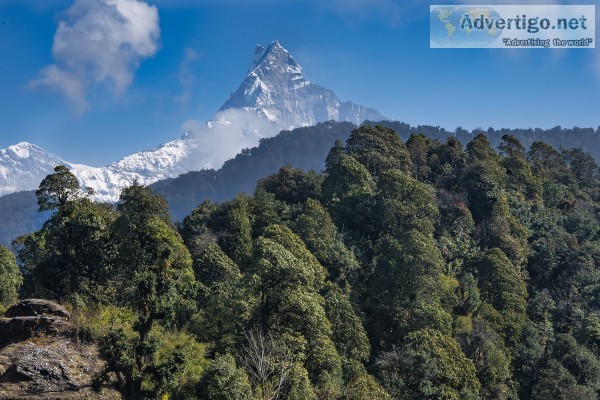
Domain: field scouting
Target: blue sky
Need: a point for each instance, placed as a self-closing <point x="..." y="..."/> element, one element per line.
<point x="188" y="56"/>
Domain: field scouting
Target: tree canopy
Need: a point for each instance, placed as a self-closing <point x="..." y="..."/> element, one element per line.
<point x="402" y="270"/>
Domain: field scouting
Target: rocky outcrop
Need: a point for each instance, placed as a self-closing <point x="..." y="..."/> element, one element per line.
<point x="35" y="308"/>
<point x="22" y="328"/>
<point x="40" y="357"/>
<point x="34" y="318"/>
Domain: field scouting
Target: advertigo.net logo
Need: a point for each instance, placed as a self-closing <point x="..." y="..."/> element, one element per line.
<point x="514" y="26"/>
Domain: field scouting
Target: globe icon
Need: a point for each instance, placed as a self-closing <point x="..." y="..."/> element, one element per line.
<point x="453" y="26"/>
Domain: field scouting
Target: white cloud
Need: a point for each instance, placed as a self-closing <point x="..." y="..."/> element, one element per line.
<point x="65" y="82"/>
<point x="100" y="42"/>
<point x="224" y="136"/>
<point x="186" y="77"/>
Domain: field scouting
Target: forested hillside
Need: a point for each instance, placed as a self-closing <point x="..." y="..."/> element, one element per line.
<point x="557" y="137"/>
<point x="304" y="148"/>
<point x="404" y="270"/>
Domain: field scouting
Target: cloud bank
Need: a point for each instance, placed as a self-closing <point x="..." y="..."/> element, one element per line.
<point x="100" y="42"/>
<point x="224" y="136"/>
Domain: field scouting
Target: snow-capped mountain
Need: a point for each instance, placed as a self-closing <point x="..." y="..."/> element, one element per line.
<point x="23" y="166"/>
<point x="276" y="89"/>
<point x="273" y="96"/>
<point x="145" y="167"/>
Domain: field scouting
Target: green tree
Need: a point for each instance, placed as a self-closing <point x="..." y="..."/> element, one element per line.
<point x="379" y="149"/>
<point x="316" y="228"/>
<point x="267" y="210"/>
<point x="289" y="306"/>
<point x="292" y="185"/>
<point x="581" y="362"/>
<point x="233" y="228"/>
<point x="268" y="363"/>
<point x="585" y="169"/>
<point x="455" y="231"/>
<point x="57" y="189"/>
<point x="528" y="354"/>
<point x="501" y="229"/>
<point x="429" y="366"/>
<point x="347" y="192"/>
<point x="419" y="148"/>
<point x="492" y="361"/>
<point x="447" y="164"/>
<point x="503" y="287"/>
<point x="221" y="304"/>
<point x="348" y="334"/>
<point x="364" y="387"/>
<point x="156" y="265"/>
<point x="156" y="281"/>
<point x="520" y="176"/>
<point x="501" y="284"/>
<point x="484" y="179"/>
<point x="196" y="225"/>
<point x="72" y="255"/>
<point x="224" y="380"/>
<point x="540" y="309"/>
<point x="479" y="149"/>
<point x="555" y="382"/>
<point x="469" y="295"/>
<point x="548" y="164"/>
<point x="407" y="288"/>
<point x="333" y="157"/>
<point x="10" y="277"/>
<point x="403" y="204"/>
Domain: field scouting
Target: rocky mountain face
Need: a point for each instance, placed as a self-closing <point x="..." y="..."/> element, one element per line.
<point x="274" y="96"/>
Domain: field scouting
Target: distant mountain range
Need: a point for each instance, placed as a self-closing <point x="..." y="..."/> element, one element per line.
<point x="273" y="96"/>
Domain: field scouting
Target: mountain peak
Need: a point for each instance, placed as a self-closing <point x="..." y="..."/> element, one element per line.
<point x="273" y="60"/>
<point x="275" y="89"/>
<point x="260" y="52"/>
<point x="273" y="96"/>
<point x="23" y="149"/>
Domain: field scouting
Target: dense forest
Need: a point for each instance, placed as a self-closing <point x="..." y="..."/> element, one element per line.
<point x="304" y="148"/>
<point x="417" y="269"/>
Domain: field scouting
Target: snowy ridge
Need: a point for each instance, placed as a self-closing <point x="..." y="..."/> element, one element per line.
<point x="273" y="96"/>
<point x="145" y="167"/>
<point x="24" y="165"/>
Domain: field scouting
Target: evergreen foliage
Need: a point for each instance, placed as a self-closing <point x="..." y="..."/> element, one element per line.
<point x="402" y="271"/>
